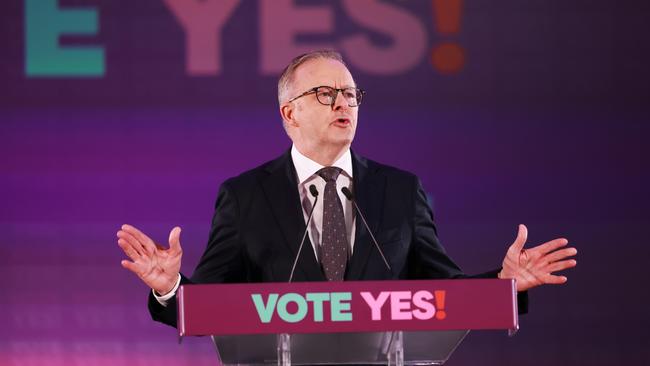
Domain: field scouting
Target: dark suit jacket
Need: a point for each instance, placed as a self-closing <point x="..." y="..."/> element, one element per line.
<point x="258" y="222"/>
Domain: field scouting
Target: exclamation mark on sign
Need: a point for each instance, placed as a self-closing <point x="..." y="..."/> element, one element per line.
<point x="447" y="57"/>
<point x="439" y="297"/>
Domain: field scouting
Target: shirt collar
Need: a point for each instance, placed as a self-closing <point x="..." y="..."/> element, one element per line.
<point x="306" y="168"/>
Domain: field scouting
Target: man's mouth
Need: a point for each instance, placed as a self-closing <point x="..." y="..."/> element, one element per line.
<point x="342" y="122"/>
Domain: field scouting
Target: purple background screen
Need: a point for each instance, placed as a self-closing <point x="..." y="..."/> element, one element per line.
<point x="545" y="124"/>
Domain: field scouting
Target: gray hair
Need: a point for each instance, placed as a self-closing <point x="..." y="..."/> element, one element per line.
<point x="288" y="74"/>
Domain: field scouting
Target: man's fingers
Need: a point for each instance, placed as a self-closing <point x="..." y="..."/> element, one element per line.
<point x="128" y="249"/>
<point x="555" y="280"/>
<point x="141" y="237"/>
<point x="132" y="241"/>
<point x="175" y="240"/>
<point x="522" y="235"/>
<point x="131" y="266"/>
<point x="560" y="254"/>
<point x="549" y="246"/>
<point x="559" y="266"/>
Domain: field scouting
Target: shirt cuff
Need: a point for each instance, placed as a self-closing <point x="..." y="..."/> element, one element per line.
<point x="164" y="299"/>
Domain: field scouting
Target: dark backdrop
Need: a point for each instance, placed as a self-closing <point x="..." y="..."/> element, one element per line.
<point x="511" y="112"/>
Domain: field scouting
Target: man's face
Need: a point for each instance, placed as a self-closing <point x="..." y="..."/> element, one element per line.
<point x="322" y="126"/>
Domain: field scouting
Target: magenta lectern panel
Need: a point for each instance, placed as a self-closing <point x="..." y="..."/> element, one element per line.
<point x="354" y="306"/>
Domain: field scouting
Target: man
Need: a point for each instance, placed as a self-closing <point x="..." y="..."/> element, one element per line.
<point x="260" y="215"/>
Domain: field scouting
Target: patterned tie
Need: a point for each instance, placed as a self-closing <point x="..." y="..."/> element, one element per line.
<point x="334" y="247"/>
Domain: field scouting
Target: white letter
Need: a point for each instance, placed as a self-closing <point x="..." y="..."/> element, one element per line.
<point x="408" y="35"/>
<point x="202" y="22"/>
<point x="280" y="23"/>
<point x="425" y="310"/>
<point x="399" y="301"/>
<point x="375" y="304"/>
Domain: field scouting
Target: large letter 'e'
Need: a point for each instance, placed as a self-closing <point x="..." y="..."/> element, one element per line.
<point x="44" y="23"/>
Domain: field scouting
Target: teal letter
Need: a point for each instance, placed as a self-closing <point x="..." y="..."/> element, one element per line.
<point x="265" y="311"/>
<point x="286" y="315"/>
<point x="338" y="307"/>
<point x="44" y="23"/>
<point x="317" y="298"/>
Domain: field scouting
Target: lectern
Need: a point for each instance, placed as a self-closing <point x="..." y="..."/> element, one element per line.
<point x="364" y="322"/>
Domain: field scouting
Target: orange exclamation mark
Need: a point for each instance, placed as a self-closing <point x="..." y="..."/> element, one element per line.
<point x="439" y="297"/>
<point x="447" y="57"/>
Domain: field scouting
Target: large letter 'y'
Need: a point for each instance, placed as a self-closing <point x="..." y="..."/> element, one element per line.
<point x="202" y="22"/>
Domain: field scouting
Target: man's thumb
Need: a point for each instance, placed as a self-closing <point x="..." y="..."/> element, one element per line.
<point x="522" y="236"/>
<point x="175" y="239"/>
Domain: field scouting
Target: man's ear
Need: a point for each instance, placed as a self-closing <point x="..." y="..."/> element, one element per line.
<point x="286" y="110"/>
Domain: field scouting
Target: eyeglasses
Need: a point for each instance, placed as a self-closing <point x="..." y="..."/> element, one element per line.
<point x="327" y="95"/>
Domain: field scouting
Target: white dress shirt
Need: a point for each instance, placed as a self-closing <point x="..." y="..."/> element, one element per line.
<point x="306" y="172"/>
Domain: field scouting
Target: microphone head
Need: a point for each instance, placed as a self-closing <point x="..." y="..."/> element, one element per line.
<point x="313" y="190"/>
<point x="347" y="193"/>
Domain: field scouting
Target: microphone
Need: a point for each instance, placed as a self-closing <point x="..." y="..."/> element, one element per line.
<point x="314" y="193"/>
<point x="350" y="197"/>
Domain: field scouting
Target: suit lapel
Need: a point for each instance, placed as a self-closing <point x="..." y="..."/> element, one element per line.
<point x="280" y="188"/>
<point x="369" y="193"/>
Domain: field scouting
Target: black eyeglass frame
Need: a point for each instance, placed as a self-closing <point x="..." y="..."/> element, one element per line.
<point x="359" y="92"/>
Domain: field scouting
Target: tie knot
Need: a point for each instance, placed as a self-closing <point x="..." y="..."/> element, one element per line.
<point x="329" y="173"/>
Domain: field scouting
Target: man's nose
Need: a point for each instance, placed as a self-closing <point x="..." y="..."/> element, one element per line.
<point x="340" y="101"/>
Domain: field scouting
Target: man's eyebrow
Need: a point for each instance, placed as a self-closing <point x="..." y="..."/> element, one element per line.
<point x="347" y="86"/>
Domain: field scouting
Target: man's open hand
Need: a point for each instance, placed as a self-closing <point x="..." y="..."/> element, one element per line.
<point x="535" y="266"/>
<point x="156" y="266"/>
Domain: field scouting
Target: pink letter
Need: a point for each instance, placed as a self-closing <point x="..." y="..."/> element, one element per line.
<point x="399" y="301"/>
<point x="202" y="22"/>
<point x="280" y="22"/>
<point x="425" y="310"/>
<point x="407" y="34"/>
<point x="375" y="304"/>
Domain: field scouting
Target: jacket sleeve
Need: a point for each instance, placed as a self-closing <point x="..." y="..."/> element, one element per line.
<point x="428" y="259"/>
<point x="221" y="261"/>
